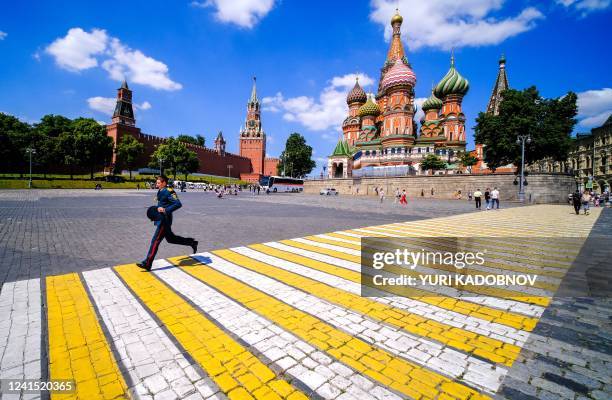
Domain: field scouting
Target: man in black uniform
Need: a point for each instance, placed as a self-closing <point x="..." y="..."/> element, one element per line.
<point x="167" y="203"/>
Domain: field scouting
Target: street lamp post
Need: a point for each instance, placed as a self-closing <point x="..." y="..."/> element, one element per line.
<point x="30" y="151"/>
<point x="161" y="160"/>
<point x="522" y="139"/>
<point x="229" y="169"/>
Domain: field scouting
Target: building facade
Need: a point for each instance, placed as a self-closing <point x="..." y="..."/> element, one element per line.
<point x="380" y="135"/>
<point x="588" y="160"/>
<point x="249" y="164"/>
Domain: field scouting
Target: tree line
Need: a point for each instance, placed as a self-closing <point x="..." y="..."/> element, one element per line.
<point x="60" y="145"/>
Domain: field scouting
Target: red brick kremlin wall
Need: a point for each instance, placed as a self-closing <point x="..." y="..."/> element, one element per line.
<point x="211" y="162"/>
<point x="270" y="165"/>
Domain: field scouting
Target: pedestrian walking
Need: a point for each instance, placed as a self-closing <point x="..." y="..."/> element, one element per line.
<point x="396" y="198"/>
<point x="403" y="199"/>
<point x="381" y="194"/>
<point x="422" y="193"/>
<point x="477" y="198"/>
<point x="586" y="200"/>
<point x="161" y="215"/>
<point x="576" y="200"/>
<point x="432" y="192"/>
<point x="470" y="195"/>
<point x="495" y="198"/>
<point x="487" y="196"/>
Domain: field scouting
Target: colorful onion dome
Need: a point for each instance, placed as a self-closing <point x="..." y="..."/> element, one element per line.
<point x="369" y="108"/>
<point x="452" y="83"/>
<point x="357" y="94"/>
<point x="396" y="18"/>
<point x="432" y="103"/>
<point x="398" y="74"/>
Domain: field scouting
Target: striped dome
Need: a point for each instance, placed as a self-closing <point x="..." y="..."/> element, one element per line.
<point x="398" y="74"/>
<point x="432" y="103"/>
<point x="452" y="83"/>
<point x="369" y="108"/>
<point x="356" y="95"/>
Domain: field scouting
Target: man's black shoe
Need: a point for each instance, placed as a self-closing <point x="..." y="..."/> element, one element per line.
<point x="194" y="246"/>
<point x="141" y="265"/>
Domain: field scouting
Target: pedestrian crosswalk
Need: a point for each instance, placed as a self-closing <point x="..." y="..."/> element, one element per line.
<point x="286" y="319"/>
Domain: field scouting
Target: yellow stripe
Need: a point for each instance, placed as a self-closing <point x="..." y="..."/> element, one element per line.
<point x="514" y="320"/>
<point x="489" y="291"/>
<point x="469" y="342"/>
<point x="236" y="371"/>
<point x="77" y="347"/>
<point x="407" y="378"/>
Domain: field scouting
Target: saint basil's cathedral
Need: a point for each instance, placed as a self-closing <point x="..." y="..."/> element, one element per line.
<point x="380" y="134"/>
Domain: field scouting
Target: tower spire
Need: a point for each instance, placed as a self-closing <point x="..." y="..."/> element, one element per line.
<point x="124" y="113"/>
<point x="253" y="98"/>
<point x="396" y="50"/>
<point x="501" y="84"/>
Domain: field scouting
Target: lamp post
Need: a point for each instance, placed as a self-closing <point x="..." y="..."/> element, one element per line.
<point x="30" y="151"/>
<point x="229" y="169"/>
<point x="161" y="160"/>
<point x="522" y="139"/>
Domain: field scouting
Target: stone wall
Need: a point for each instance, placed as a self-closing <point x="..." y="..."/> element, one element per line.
<point x="541" y="188"/>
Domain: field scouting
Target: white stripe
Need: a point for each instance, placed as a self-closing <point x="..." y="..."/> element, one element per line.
<point x="476" y="325"/>
<point x="494" y="302"/>
<point x="296" y="357"/>
<point x="316" y="256"/>
<point x="20" y="331"/>
<point x="328" y="246"/>
<point x="147" y="354"/>
<point x="490" y="329"/>
<point x="438" y="357"/>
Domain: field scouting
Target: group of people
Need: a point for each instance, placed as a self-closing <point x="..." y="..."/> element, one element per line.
<point x="491" y="198"/>
<point x="583" y="200"/>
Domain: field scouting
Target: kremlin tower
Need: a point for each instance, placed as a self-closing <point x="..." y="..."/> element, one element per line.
<point x="380" y="135"/>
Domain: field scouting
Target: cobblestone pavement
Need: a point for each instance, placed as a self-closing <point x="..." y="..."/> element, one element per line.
<point x="285" y="319"/>
<point x="49" y="232"/>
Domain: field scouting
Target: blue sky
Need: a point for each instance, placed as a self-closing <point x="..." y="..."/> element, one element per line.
<point x="190" y="63"/>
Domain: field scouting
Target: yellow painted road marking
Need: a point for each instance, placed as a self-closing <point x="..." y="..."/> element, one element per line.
<point x="77" y="347"/>
<point x="491" y="349"/>
<point x="490" y="314"/>
<point x="226" y="361"/>
<point x="406" y="377"/>
<point x="484" y="290"/>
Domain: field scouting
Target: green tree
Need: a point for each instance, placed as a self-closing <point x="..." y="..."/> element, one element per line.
<point x="177" y="157"/>
<point x="94" y="146"/>
<point x="15" y="137"/>
<point x="67" y="151"/>
<point x="197" y="139"/>
<point x="128" y="150"/>
<point x="549" y="122"/>
<point x="45" y="136"/>
<point x="296" y="160"/>
<point x="468" y="160"/>
<point x="433" y="163"/>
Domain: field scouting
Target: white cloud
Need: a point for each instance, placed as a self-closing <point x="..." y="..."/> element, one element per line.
<point x="594" y="107"/>
<point x="328" y="111"/>
<point x="419" y="103"/>
<point x="137" y="67"/>
<point x="244" y="13"/>
<point x="586" y="6"/>
<point x="450" y="23"/>
<point x="106" y="105"/>
<point x="80" y="50"/>
<point x="76" y="50"/>
<point x="3" y="35"/>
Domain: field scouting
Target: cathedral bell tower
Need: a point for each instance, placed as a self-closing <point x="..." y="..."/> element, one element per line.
<point x="124" y="113"/>
<point x="252" y="136"/>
